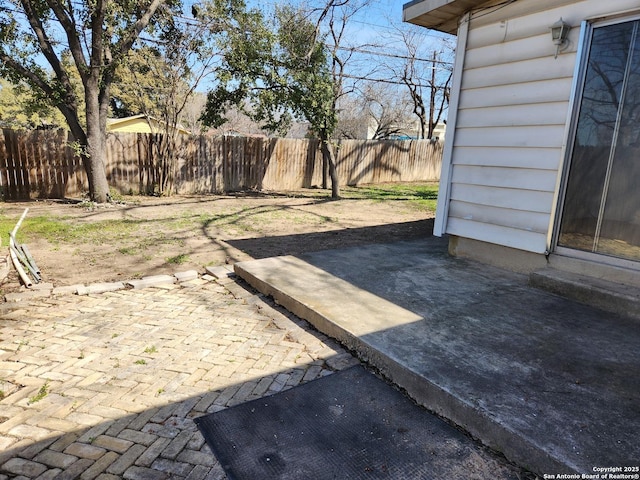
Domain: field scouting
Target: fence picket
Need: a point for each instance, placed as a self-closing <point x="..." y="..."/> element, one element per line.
<point x="43" y="164"/>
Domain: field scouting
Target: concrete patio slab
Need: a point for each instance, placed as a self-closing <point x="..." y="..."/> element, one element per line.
<point x="551" y="383"/>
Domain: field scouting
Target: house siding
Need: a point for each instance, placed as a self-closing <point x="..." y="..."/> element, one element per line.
<point x="511" y="122"/>
<point x="139" y="125"/>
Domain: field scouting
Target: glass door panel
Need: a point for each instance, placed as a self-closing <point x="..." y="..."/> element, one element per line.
<point x="601" y="211"/>
<point x="620" y="230"/>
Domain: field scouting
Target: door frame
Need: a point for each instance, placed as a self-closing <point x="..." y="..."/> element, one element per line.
<point x="582" y="55"/>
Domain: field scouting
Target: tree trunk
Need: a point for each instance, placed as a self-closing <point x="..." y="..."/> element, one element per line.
<point x="432" y="98"/>
<point x="328" y="155"/>
<point x="94" y="151"/>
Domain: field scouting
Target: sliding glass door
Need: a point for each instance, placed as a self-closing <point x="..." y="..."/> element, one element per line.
<point x="601" y="211"/>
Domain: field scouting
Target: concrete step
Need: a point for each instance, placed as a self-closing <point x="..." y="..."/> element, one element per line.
<point x="603" y="293"/>
<point x="626" y="275"/>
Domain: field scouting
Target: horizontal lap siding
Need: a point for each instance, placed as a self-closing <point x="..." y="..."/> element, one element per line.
<point x="511" y="120"/>
<point x="487" y="232"/>
<point x="518" y="219"/>
<point x="515" y="178"/>
<point x="548" y="113"/>
<point x="510" y="131"/>
<point x="534" y="157"/>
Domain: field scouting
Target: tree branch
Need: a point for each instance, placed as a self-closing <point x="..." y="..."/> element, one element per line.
<point x="134" y="30"/>
<point x="73" y="38"/>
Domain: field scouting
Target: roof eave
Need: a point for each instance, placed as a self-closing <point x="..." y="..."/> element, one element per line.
<point x="441" y="15"/>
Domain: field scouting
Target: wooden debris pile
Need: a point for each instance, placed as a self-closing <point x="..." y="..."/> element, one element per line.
<point x="22" y="259"/>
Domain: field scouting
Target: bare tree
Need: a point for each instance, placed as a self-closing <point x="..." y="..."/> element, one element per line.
<point x="376" y="111"/>
<point x="427" y="77"/>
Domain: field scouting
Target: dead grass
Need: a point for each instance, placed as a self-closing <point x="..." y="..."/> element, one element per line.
<point x="76" y="242"/>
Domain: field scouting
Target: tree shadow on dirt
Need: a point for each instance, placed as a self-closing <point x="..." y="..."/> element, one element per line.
<point x="264" y="247"/>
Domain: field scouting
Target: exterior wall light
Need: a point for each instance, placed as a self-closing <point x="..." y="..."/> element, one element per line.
<point x="559" y="32"/>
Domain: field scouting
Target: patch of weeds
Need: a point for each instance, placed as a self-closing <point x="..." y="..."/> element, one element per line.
<point x="206" y="219"/>
<point x="67" y="230"/>
<point x="43" y="392"/>
<point x="81" y="356"/>
<point x="116" y="196"/>
<point x="151" y="349"/>
<point x="114" y="335"/>
<point x="421" y="196"/>
<point x="160" y="391"/>
<point x="142" y="361"/>
<point x="127" y="250"/>
<point x="178" y="259"/>
<point x="87" y="205"/>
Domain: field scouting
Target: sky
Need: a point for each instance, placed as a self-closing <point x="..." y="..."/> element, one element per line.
<point x="373" y="23"/>
<point x="374" y="28"/>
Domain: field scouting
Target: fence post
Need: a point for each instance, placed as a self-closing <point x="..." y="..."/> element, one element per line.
<point x="211" y="165"/>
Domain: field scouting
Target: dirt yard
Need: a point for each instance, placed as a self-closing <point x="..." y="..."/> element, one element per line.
<point x="76" y="242"/>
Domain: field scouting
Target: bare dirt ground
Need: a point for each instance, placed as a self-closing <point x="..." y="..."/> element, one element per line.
<point x="148" y="236"/>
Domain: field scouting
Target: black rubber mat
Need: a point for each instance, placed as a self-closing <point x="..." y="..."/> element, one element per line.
<point x="348" y="425"/>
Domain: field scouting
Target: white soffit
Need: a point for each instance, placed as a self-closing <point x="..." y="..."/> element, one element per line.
<point x="441" y="15"/>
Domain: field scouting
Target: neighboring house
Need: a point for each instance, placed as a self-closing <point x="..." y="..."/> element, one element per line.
<point x="141" y="123"/>
<point x="439" y="131"/>
<point x="407" y="131"/>
<point x="542" y="157"/>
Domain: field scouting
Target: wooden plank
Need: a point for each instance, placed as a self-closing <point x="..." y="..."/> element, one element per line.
<point x="25" y="167"/>
<point x="3" y="168"/>
<point x="211" y="165"/>
<point x="11" y="192"/>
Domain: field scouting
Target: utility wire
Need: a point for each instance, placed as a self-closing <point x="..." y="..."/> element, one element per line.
<point x="392" y="55"/>
<point x="387" y="81"/>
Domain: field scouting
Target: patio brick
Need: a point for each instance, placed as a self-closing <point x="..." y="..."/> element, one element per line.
<point x="215" y="344"/>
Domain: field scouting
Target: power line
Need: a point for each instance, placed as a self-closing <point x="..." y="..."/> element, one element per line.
<point x="426" y="33"/>
<point x="387" y="81"/>
<point x="391" y="55"/>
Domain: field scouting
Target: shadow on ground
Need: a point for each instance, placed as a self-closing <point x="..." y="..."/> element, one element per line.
<point x="264" y="247"/>
<point x="120" y="403"/>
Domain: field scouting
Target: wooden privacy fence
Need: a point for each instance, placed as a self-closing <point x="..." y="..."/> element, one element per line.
<point x="42" y="164"/>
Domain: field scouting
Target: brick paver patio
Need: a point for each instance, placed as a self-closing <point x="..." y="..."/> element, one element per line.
<point x="107" y="385"/>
